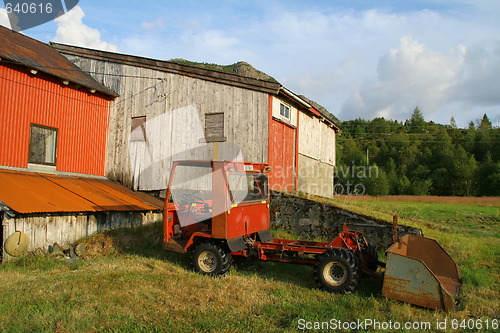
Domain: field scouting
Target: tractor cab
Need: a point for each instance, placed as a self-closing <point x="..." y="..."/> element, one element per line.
<point x="216" y="199"/>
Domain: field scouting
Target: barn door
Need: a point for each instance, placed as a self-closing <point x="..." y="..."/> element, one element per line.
<point x="282" y="156"/>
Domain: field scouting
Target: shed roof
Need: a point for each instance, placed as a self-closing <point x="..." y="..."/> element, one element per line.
<point x="171" y="67"/>
<point x="21" y="49"/>
<point x="27" y="192"/>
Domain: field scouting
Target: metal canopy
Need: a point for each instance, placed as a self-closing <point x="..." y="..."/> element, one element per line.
<point x="26" y="192"/>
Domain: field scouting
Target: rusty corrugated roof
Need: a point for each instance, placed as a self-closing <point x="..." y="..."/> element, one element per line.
<point x="21" y="49"/>
<point x="27" y="192"/>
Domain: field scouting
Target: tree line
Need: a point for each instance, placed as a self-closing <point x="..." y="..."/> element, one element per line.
<point x="418" y="157"/>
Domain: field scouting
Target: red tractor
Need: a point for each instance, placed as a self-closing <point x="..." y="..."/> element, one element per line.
<point x="220" y="209"/>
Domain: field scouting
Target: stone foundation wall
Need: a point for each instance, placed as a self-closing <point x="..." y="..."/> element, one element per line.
<point x="311" y="219"/>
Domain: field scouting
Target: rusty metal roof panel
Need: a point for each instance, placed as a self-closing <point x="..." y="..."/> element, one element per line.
<point x="21" y="49"/>
<point x="26" y="192"/>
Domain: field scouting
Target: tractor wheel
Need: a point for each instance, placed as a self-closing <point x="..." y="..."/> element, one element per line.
<point x="210" y="258"/>
<point x="372" y="252"/>
<point x="337" y="270"/>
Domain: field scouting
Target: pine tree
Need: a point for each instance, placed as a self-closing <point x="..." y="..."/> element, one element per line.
<point x="485" y="123"/>
<point x="416" y="123"/>
<point x="453" y="123"/>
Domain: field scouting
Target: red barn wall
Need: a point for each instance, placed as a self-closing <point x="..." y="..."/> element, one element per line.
<point x="80" y="117"/>
<point x="282" y="151"/>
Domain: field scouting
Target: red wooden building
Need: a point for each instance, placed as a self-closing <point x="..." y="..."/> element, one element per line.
<point x="52" y="115"/>
<point x="54" y="122"/>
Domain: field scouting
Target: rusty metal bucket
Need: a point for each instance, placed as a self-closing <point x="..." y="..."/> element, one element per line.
<point x="420" y="272"/>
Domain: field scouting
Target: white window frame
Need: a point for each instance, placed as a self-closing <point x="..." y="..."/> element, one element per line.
<point x="285" y="111"/>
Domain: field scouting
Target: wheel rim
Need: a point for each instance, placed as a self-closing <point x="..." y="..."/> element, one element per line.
<point x="335" y="273"/>
<point x="207" y="261"/>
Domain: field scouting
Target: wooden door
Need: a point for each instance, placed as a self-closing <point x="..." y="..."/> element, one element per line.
<point x="282" y="156"/>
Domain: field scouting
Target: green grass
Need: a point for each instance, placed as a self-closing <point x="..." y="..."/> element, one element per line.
<point x="134" y="286"/>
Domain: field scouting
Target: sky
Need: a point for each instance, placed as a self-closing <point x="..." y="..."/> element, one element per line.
<point x="358" y="58"/>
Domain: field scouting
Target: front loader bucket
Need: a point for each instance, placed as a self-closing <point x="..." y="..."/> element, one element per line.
<point x="420" y="272"/>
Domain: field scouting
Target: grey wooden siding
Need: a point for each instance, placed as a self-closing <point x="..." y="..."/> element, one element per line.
<point x="174" y="106"/>
<point x="65" y="228"/>
<point x="315" y="177"/>
<point x="316" y="139"/>
<point x="316" y="156"/>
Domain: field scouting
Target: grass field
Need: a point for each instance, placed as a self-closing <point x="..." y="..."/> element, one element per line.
<point x="128" y="284"/>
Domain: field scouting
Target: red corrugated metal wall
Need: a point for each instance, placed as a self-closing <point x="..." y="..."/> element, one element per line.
<point x="80" y="117"/>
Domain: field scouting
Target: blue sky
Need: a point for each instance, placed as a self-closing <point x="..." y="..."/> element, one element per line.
<point x="357" y="58"/>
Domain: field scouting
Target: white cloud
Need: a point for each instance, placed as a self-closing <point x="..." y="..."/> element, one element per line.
<point x="4" y="18"/>
<point x="409" y="75"/>
<point x="191" y="42"/>
<point x="481" y="71"/>
<point x="214" y="44"/>
<point x="153" y="25"/>
<point x="72" y="30"/>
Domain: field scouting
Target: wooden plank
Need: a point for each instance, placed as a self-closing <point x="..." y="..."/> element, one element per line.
<point x="217" y="120"/>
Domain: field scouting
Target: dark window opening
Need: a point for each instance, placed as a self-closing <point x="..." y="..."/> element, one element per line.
<point x="138" y="129"/>
<point x="43" y="145"/>
<point x="214" y="127"/>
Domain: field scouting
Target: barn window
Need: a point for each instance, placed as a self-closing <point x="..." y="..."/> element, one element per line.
<point x="138" y="129"/>
<point x="214" y="127"/>
<point x="285" y="111"/>
<point x="43" y="145"/>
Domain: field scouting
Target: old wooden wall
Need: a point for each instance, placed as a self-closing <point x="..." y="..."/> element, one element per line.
<point x="65" y="228"/>
<point x="316" y="156"/>
<point x="174" y="106"/>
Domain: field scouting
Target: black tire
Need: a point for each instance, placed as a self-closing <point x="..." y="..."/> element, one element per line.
<point x="210" y="258"/>
<point x="372" y="254"/>
<point x="338" y="271"/>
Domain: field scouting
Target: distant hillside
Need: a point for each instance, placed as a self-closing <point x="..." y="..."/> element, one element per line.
<point x="241" y="68"/>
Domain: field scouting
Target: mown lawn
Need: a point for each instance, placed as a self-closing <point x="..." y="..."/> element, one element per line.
<point x="137" y="287"/>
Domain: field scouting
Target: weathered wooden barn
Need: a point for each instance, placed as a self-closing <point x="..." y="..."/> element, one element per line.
<point x="167" y="111"/>
<point x="53" y="133"/>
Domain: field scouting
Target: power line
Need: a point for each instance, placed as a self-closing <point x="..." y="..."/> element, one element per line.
<point x="49" y="91"/>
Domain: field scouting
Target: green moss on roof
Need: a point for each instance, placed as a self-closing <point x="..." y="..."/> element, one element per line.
<point x="241" y="68"/>
<point x="322" y="110"/>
